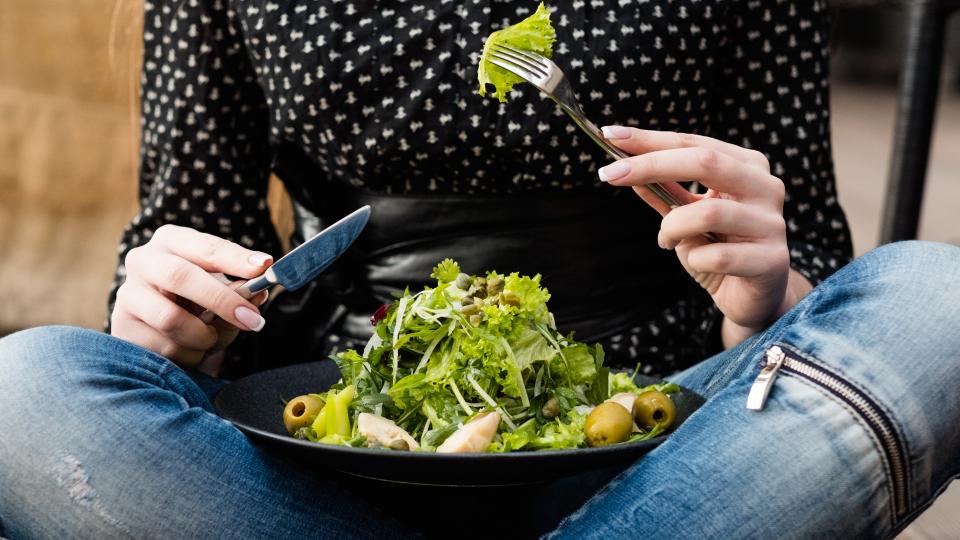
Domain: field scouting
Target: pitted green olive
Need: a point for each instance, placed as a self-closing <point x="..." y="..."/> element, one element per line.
<point x="300" y="412"/>
<point x="608" y="423"/>
<point x="652" y="408"/>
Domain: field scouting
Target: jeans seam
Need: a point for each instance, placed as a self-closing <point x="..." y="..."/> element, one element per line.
<point x="914" y="513"/>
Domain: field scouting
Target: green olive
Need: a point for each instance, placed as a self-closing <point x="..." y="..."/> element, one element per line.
<point x="652" y="408"/>
<point x="608" y="423"/>
<point x="301" y="411"/>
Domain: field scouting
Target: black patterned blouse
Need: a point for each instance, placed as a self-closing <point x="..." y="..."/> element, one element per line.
<point x="383" y="95"/>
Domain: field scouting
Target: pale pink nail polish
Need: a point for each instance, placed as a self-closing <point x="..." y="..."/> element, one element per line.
<point x="613" y="171"/>
<point x="615" y="132"/>
<point x="249" y="318"/>
<point x="260" y="259"/>
<point x="660" y="241"/>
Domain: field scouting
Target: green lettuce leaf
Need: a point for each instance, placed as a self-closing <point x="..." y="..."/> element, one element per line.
<point x="535" y="33"/>
<point x="529" y="346"/>
<point x="582" y="365"/>
<point x="446" y="271"/>
<point x="409" y="390"/>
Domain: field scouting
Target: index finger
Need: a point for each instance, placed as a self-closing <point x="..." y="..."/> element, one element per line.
<point x="641" y="141"/>
<point x="211" y="253"/>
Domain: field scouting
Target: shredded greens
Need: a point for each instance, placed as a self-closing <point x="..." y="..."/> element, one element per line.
<point x="468" y="346"/>
<point x="535" y="34"/>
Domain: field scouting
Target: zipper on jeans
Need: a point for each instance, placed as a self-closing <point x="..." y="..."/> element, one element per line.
<point x="779" y="359"/>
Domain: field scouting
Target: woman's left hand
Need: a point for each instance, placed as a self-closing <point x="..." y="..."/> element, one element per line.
<point x="748" y="272"/>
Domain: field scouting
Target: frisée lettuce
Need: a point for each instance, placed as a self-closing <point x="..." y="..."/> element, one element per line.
<point x="535" y="34"/>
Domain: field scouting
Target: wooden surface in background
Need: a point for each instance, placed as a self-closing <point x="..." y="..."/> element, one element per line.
<point x="69" y="139"/>
<point x="68" y="145"/>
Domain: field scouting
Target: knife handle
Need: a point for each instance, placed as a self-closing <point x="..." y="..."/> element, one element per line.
<point x="247" y="289"/>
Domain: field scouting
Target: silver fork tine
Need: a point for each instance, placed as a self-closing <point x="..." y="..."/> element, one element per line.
<point x="540" y="60"/>
<point x="534" y="69"/>
<point x="514" y="68"/>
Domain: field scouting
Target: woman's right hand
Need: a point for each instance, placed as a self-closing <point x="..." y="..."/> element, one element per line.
<point x="170" y="281"/>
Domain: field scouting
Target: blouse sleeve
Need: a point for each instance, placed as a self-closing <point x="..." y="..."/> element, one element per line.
<point x="775" y="99"/>
<point x="204" y="157"/>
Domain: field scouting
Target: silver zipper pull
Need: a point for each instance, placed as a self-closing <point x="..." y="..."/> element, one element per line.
<point x="764" y="381"/>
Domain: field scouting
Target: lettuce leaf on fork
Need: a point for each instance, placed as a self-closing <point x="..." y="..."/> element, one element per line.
<point x="535" y="34"/>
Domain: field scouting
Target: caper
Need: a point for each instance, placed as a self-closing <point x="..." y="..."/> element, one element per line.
<point x="475" y="319"/>
<point x="608" y="423"/>
<point x="494" y="286"/>
<point x="652" y="408"/>
<point x="476" y="290"/>
<point x="301" y="411"/>
<point x="463" y="281"/>
<point x="510" y="299"/>
<point x="399" y="444"/>
<point x="470" y="309"/>
<point x="481" y="282"/>
<point x="551" y="408"/>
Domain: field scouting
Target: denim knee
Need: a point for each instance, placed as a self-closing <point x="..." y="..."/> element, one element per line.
<point x="932" y="267"/>
<point x="38" y="354"/>
<point x="63" y="360"/>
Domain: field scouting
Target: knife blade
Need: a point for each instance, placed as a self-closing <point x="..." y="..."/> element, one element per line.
<point x="306" y="261"/>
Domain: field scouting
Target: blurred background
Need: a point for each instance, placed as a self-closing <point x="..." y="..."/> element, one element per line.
<point x="69" y="148"/>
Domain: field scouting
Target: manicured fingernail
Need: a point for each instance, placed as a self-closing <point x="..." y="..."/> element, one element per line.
<point x="616" y="132"/>
<point x="251" y="319"/>
<point x="660" y="241"/>
<point x="617" y="169"/>
<point x="260" y="259"/>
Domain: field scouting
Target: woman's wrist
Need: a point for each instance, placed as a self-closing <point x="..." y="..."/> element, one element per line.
<point x="797" y="287"/>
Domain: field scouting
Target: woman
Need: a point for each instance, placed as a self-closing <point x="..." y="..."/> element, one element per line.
<point x="375" y="103"/>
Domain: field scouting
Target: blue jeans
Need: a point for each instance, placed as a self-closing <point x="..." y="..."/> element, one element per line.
<point x="101" y="438"/>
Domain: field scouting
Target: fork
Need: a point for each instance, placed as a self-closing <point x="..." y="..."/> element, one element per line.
<point x="541" y="72"/>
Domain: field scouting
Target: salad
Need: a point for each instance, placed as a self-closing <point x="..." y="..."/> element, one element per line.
<point x="476" y="364"/>
<point x="534" y="34"/>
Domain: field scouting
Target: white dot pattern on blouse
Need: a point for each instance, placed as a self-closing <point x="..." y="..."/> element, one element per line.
<point x="382" y="95"/>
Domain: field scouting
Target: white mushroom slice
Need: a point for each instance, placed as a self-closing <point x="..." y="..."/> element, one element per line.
<point x="379" y="430"/>
<point x="626" y="399"/>
<point x="474" y="436"/>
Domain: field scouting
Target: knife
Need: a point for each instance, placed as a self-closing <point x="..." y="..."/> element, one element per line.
<point x="306" y="261"/>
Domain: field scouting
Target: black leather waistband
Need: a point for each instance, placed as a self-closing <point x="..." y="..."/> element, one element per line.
<point x="597" y="253"/>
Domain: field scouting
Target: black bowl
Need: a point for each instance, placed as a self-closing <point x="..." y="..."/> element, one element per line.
<point x="254" y="404"/>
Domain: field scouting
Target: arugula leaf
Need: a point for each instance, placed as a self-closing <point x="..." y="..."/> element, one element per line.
<point x="409" y="390"/>
<point x="535" y="33"/>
